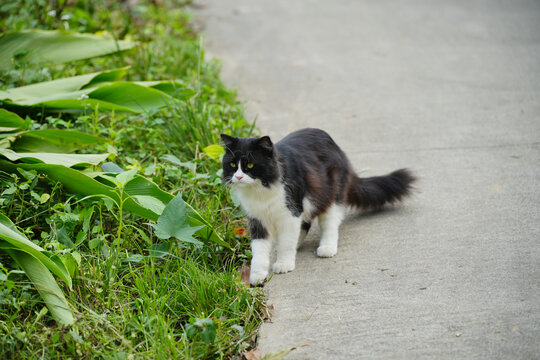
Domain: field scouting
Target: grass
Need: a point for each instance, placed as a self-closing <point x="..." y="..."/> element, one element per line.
<point x="135" y="296"/>
<point x="145" y="314"/>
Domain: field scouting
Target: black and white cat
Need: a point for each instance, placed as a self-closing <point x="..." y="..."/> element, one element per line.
<point x="283" y="187"/>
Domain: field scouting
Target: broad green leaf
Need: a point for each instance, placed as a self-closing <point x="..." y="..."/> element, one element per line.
<point x="74" y="106"/>
<point x="13" y="239"/>
<point x="44" y="47"/>
<point x="68" y="160"/>
<point x="206" y="327"/>
<point x="53" y="140"/>
<point x="45" y="284"/>
<point x="174" y="222"/>
<point x="110" y="167"/>
<point x="124" y="177"/>
<point x="136" y="97"/>
<point x="107" y="76"/>
<point x="71" y="263"/>
<point x="4" y="129"/>
<point x="12" y="120"/>
<point x="6" y="139"/>
<point x="150" y="203"/>
<point x="66" y="88"/>
<point x="160" y="250"/>
<point x="214" y="151"/>
<point x="64" y="238"/>
<point x="172" y="159"/>
<point x="172" y="88"/>
<point x="86" y="92"/>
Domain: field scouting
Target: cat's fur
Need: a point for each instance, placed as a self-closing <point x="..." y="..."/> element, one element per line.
<point x="284" y="186"/>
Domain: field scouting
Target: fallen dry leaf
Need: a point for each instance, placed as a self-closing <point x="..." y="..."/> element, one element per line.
<point x="245" y="274"/>
<point x="280" y="355"/>
<point x="252" y="355"/>
<point x="266" y="310"/>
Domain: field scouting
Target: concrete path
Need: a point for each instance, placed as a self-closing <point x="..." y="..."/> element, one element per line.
<point x="450" y="89"/>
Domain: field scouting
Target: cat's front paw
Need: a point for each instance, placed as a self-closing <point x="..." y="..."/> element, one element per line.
<point x="326" y="251"/>
<point x="283" y="267"/>
<point x="257" y="277"/>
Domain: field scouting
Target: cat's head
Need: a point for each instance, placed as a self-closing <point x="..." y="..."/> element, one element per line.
<point x="249" y="161"/>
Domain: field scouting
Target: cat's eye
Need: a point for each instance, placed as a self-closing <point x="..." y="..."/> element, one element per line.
<point x="233" y="165"/>
<point x="250" y="165"/>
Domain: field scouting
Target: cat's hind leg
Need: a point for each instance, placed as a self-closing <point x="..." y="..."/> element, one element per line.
<point x="307" y="217"/>
<point x="304" y="231"/>
<point x="261" y="249"/>
<point x="329" y="222"/>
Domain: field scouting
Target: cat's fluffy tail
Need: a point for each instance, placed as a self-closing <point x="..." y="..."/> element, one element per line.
<point x="375" y="192"/>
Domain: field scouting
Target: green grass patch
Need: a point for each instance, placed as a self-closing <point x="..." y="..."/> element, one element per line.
<point x="140" y="289"/>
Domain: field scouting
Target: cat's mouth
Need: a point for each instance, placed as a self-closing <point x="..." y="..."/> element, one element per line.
<point x="242" y="183"/>
<point x="245" y="181"/>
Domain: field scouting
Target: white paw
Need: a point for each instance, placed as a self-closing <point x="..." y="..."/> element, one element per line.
<point x="283" y="267"/>
<point x="257" y="277"/>
<point x="326" y="251"/>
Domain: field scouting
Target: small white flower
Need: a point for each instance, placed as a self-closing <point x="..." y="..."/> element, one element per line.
<point x="52" y="13"/>
<point x="83" y="96"/>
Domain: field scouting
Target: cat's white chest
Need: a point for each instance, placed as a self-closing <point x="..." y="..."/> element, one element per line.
<point x="265" y="204"/>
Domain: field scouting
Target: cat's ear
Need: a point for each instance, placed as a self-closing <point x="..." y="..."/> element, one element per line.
<point x="266" y="144"/>
<point x="228" y="141"/>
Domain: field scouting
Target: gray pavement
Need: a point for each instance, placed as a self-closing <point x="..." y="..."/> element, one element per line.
<point x="450" y="89"/>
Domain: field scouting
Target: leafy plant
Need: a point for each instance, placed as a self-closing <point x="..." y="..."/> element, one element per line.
<point x="44" y="47"/>
<point x="206" y="328"/>
<point x="38" y="265"/>
<point x="174" y="222"/>
<point x="90" y="91"/>
<point x="137" y="188"/>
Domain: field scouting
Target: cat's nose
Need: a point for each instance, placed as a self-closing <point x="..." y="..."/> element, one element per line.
<point x="238" y="177"/>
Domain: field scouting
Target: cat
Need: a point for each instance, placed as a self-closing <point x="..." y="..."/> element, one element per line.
<point x="284" y="186"/>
